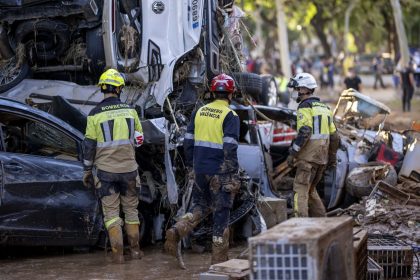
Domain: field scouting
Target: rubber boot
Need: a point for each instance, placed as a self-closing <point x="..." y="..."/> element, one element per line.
<point x="171" y="242"/>
<point x="181" y="229"/>
<point x="117" y="246"/>
<point x="132" y="231"/>
<point x="220" y="248"/>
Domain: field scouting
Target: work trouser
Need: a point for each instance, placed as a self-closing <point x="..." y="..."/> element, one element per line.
<point x="117" y="189"/>
<point x="378" y="78"/>
<point x="306" y="199"/>
<point x="210" y="196"/>
<point x="406" y="98"/>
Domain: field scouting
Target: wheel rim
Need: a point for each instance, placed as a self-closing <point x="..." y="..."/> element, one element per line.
<point x="9" y="71"/>
<point x="272" y="94"/>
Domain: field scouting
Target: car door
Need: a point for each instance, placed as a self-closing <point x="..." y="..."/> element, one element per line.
<point x="43" y="195"/>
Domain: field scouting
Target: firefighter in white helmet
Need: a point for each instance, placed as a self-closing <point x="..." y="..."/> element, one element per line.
<point x="314" y="148"/>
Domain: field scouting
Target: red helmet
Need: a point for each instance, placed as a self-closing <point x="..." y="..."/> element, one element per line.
<point x="223" y="83"/>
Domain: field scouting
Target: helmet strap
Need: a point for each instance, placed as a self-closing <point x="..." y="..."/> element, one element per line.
<point x="300" y="95"/>
<point x="110" y="89"/>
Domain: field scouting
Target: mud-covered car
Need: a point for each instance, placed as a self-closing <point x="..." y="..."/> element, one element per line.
<point x="42" y="198"/>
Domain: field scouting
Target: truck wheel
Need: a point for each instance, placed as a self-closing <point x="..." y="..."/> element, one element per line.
<point x="269" y="95"/>
<point x="12" y="74"/>
<point x="48" y="38"/>
<point x="95" y="51"/>
<point x="249" y="83"/>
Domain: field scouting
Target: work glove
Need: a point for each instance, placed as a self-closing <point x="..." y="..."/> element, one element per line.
<point x="230" y="182"/>
<point x="88" y="179"/>
<point x="291" y="158"/>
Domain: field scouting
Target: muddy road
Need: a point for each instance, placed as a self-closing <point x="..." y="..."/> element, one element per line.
<point x="63" y="263"/>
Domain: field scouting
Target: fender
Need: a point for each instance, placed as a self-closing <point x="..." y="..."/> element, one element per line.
<point x="170" y="29"/>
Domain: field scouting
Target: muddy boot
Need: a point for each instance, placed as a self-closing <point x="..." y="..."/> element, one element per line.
<point x="171" y="242"/>
<point x="133" y="241"/>
<point x="181" y="229"/>
<point x="220" y="248"/>
<point x="117" y="246"/>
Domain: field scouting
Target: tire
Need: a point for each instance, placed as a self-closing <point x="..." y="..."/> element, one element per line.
<point x="269" y="94"/>
<point x="248" y="83"/>
<point x="52" y="38"/>
<point x="95" y="51"/>
<point x="11" y="75"/>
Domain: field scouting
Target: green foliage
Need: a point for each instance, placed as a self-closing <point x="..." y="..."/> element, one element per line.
<point x="371" y="25"/>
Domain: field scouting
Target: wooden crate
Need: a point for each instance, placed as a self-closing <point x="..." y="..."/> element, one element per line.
<point x="304" y="249"/>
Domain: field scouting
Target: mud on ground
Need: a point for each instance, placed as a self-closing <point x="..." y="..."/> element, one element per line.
<point x="19" y="263"/>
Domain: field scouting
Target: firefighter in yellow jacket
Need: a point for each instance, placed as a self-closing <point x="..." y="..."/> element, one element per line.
<point x="314" y="148"/>
<point x="109" y="147"/>
<point x="210" y="146"/>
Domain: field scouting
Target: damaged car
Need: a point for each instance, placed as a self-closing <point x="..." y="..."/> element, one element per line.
<point x="42" y="198"/>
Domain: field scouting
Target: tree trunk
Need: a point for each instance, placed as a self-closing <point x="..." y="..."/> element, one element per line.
<point x="392" y="40"/>
<point x="319" y="25"/>
<point x="283" y="39"/>
<point x="259" y="50"/>
<point x="346" y="25"/>
<point x="402" y="36"/>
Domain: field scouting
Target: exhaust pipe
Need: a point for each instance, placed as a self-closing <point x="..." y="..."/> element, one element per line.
<point x="5" y="49"/>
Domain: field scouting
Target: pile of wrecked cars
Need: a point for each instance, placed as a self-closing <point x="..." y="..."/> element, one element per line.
<point x="41" y="169"/>
<point x="42" y="198"/>
<point x="42" y="121"/>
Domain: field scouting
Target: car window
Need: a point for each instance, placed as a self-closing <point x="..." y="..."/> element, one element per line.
<point x="247" y="131"/>
<point x="26" y="136"/>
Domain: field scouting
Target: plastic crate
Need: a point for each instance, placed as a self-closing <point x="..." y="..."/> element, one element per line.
<point x="395" y="257"/>
<point x="374" y="270"/>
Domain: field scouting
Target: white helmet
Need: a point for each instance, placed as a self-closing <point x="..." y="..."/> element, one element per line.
<point x="303" y="80"/>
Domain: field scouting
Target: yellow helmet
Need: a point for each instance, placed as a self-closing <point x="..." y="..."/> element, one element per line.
<point x="111" y="77"/>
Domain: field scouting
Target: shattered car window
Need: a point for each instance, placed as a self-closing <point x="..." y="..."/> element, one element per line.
<point x="26" y="136"/>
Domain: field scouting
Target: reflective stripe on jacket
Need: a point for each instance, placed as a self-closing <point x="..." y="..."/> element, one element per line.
<point x="211" y="141"/>
<point x="316" y="118"/>
<point x="109" y="138"/>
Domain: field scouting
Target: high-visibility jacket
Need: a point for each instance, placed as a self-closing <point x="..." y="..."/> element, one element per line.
<point x="282" y="83"/>
<point x="314" y="125"/>
<point x="109" y="138"/>
<point x="211" y="141"/>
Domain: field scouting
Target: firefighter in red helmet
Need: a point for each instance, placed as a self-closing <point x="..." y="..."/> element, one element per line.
<point x="210" y="146"/>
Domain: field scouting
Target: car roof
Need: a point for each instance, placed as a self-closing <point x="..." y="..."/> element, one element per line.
<point x="24" y="108"/>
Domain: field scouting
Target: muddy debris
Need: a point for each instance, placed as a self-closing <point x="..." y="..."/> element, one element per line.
<point x="396" y="213"/>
